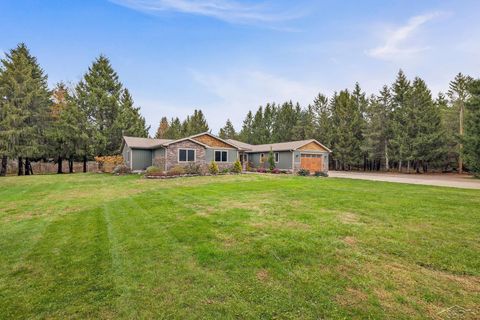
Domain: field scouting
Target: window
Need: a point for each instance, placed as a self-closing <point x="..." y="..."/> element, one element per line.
<point x="262" y="157"/>
<point x="221" y="156"/>
<point x="277" y="157"/>
<point x="186" y="155"/>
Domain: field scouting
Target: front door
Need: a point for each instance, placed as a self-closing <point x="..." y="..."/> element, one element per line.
<point x="311" y="162"/>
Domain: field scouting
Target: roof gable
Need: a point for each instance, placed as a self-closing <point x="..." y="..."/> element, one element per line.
<point x="314" y="145"/>
<point x="212" y="141"/>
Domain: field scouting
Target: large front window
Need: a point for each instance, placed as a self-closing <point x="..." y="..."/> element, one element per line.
<point x="221" y="156"/>
<point x="186" y="155"/>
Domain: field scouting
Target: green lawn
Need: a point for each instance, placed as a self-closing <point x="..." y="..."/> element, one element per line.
<point x="252" y="246"/>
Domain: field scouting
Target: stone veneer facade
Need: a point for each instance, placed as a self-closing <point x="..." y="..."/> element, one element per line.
<point x="171" y="156"/>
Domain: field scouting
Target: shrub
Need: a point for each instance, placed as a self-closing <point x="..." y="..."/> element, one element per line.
<point x="237" y="167"/>
<point x="320" y="174"/>
<point x="271" y="160"/>
<point x="108" y="163"/>
<point x="275" y="171"/>
<point x="303" y="172"/>
<point x="249" y="166"/>
<point x="121" y="169"/>
<point x="176" y="171"/>
<point x="152" y="169"/>
<point x="261" y="170"/>
<point x="225" y="170"/>
<point x="192" y="168"/>
<point x="213" y="168"/>
<point x="159" y="162"/>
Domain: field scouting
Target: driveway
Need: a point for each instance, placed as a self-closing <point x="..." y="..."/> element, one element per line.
<point x="442" y="180"/>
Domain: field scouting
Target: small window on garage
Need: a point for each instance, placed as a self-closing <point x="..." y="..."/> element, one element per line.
<point x="221" y="156"/>
<point x="277" y="157"/>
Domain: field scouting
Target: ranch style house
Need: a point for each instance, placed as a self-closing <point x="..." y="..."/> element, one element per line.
<point x="203" y="148"/>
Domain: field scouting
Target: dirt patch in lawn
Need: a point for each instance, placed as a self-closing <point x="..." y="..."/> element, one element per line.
<point x="262" y="275"/>
<point x="349" y="218"/>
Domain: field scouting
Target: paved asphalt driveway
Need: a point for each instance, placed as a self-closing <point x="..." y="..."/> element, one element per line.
<point x="443" y="180"/>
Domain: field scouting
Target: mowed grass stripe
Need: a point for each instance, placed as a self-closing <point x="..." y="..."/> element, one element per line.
<point x="229" y="247"/>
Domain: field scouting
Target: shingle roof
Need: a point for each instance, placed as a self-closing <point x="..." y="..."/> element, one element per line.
<point x="282" y="146"/>
<point x="145" y="143"/>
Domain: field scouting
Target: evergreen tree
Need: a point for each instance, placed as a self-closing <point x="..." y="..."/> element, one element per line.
<point x="24" y="108"/>
<point x="163" y="128"/>
<point x="323" y="120"/>
<point x="347" y="121"/>
<point x="459" y="94"/>
<point x="268" y="121"/>
<point x="195" y="124"/>
<point x="67" y="133"/>
<point x="450" y="122"/>
<point x="228" y="131"/>
<point x="305" y="127"/>
<point x="428" y="135"/>
<point x="98" y="96"/>
<point x="175" y="129"/>
<point x="378" y="129"/>
<point x="129" y="121"/>
<point x="246" y="134"/>
<point x="401" y="127"/>
<point x="285" y="120"/>
<point x="259" y="135"/>
<point x="471" y="139"/>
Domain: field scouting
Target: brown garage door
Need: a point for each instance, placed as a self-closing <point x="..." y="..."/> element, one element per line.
<point x="311" y="162"/>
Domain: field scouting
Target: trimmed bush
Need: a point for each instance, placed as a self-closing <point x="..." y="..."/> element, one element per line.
<point x="121" y="169"/>
<point x="261" y="170"/>
<point x="237" y="167"/>
<point x="213" y="168"/>
<point x="275" y="171"/>
<point x="176" y="171"/>
<point x="250" y="167"/>
<point x="320" y="174"/>
<point x="192" y="168"/>
<point x="153" y="169"/>
<point x="303" y="172"/>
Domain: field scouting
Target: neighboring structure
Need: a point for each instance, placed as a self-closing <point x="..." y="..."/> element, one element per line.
<point x="140" y="153"/>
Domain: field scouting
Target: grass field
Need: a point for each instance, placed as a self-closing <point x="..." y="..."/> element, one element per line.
<point x="252" y="246"/>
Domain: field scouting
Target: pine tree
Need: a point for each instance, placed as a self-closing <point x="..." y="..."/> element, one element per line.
<point x="269" y="115"/>
<point x="459" y="94"/>
<point x="194" y="124"/>
<point x="98" y="96"/>
<point x="305" y="126"/>
<point x="449" y="116"/>
<point x="228" y="131"/>
<point x="24" y="107"/>
<point x="163" y="128"/>
<point x="471" y="139"/>
<point x="285" y="120"/>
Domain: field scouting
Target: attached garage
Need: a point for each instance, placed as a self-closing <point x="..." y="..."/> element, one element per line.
<point x="311" y="161"/>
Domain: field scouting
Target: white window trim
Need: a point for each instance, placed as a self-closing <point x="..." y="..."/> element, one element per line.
<point x="214" y="156"/>
<point x="194" y="155"/>
<point x="275" y="157"/>
<point x="262" y="156"/>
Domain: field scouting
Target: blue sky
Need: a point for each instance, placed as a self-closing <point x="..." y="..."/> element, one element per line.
<point x="229" y="56"/>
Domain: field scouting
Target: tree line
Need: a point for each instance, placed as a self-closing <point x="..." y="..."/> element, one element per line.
<point x="401" y="128"/>
<point x="63" y="123"/>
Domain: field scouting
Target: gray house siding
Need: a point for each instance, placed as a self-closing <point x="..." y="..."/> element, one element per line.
<point x="231" y="157"/>
<point x="284" y="163"/>
<point x="141" y="159"/>
<point x="297" y="159"/>
<point x="126" y="155"/>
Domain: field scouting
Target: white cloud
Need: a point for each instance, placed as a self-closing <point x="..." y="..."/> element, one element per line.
<point x="397" y="41"/>
<point x="226" y="10"/>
